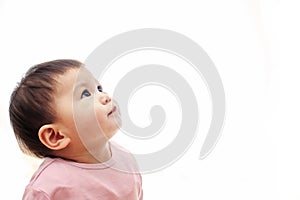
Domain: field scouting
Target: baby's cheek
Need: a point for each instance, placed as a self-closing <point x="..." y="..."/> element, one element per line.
<point x="85" y="118"/>
<point x="100" y="117"/>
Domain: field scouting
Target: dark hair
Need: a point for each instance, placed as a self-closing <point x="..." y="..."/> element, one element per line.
<point x="31" y="104"/>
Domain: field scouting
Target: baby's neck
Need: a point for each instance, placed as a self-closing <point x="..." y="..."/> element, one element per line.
<point x="100" y="155"/>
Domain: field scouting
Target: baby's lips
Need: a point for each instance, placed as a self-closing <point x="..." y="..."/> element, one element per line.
<point x="114" y="109"/>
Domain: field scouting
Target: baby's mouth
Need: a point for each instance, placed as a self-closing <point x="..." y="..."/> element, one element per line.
<point x="112" y="111"/>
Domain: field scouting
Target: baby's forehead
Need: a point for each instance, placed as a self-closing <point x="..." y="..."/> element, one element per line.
<point x="85" y="75"/>
<point x="74" y="78"/>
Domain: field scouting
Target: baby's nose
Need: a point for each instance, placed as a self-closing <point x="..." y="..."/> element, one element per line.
<point x="104" y="98"/>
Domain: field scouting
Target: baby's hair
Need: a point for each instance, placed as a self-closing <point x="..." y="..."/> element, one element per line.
<point x="31" y="104"/>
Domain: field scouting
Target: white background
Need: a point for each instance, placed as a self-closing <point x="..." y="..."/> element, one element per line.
<point x="257" y="156"/>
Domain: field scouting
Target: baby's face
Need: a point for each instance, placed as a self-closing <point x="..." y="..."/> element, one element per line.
<point x="86" y="114"/>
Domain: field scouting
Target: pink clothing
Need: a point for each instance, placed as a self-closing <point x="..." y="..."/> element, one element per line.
<point x="59" y="179"/>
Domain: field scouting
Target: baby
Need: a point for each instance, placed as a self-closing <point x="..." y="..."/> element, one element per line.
<point x="60" y="112"/>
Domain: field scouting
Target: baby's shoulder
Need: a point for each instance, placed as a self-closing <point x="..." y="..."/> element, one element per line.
<point x="52" y="170"/>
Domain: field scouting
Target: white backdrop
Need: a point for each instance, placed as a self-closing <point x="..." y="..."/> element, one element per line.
<point x="257" y="155"/>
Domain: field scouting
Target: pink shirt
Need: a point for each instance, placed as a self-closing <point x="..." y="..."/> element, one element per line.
<point x="59" y="179"/>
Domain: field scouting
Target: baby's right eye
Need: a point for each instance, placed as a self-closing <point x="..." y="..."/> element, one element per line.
<point x="85" y="93"/>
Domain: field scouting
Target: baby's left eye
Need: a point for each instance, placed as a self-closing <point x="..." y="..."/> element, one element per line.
<point x="99" y="88"/>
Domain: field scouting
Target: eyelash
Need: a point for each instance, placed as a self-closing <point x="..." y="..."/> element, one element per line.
<point x="85" y="93"/>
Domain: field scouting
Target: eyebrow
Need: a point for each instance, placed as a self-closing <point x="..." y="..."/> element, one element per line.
<point x="80" y="84"/>
<point x="85" y="84"/>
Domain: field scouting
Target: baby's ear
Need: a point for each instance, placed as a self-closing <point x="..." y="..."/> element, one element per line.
<point x="52" y="138"/>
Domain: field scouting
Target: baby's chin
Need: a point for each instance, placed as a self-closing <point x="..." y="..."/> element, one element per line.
<point x="117" y="118"/>
<point x="118" y="121"/>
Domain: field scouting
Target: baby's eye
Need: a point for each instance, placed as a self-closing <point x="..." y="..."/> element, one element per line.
<point x="85" y="93"/>
<point x="100" y="88"/>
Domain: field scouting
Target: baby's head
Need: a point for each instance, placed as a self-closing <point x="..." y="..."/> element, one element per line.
<point x="59" y="110"/>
